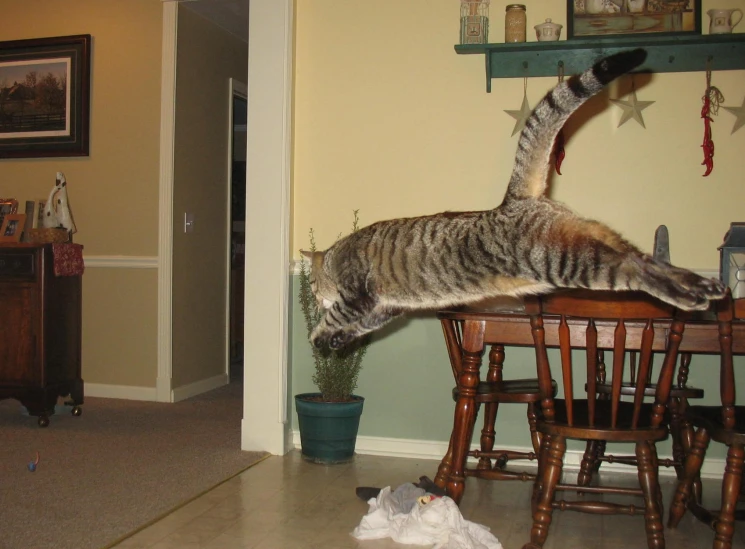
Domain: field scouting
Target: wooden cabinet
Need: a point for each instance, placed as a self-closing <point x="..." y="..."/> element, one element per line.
<point x="40" y="330"/>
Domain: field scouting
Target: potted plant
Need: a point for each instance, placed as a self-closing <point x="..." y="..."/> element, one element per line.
<point x="329" y="419"/>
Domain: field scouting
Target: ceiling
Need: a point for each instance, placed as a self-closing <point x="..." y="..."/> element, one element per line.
<point x="231" y="15"/>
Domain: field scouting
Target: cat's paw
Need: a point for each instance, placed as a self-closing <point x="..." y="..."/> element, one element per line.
<point x="697" y="296"/>
<point x="332" y="340"/>
<point x="319" y="338"/>
<point x="683" y="288"/>
<point x="699" y="291"/>
<point x="340" y="339"/>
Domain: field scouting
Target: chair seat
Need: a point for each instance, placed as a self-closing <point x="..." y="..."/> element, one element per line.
<point x="602" y="429"/>
<point x="649" y="390"/>
<point x="710" y="418"/>
<point x="512" y="390"/>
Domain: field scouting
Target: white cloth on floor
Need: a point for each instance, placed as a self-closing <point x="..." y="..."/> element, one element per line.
<point x="399" y="516"/>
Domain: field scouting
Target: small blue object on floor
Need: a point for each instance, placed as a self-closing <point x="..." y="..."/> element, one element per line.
<point x="33" y="463"/>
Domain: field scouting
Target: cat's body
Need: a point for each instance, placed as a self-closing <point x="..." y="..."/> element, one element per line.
<point x="527" y="245"/>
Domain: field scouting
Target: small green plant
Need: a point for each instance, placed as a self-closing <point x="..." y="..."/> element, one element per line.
<point x="336" y="371"/>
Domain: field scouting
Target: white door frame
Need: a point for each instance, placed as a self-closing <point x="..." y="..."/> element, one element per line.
<point x="163" y="389"/>
<point x="268" y="168"/>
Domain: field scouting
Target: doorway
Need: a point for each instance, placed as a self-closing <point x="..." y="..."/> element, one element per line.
<point x="236" y="227"/>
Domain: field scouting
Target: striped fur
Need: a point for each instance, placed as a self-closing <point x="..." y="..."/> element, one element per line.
<point x="529" y="244"/>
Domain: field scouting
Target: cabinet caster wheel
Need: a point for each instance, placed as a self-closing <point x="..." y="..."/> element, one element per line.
<point x="43" y="421"/>
<point x="76" y="411"/>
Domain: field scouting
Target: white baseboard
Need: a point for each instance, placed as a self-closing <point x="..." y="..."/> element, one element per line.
<point x="121" y="261"/>
<point x="435" y="449"/>
<point x="199" y="387"/>
<point x="126" y="392"/>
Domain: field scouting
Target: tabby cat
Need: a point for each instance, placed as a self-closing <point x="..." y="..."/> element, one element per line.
<point x="527" y="245"/>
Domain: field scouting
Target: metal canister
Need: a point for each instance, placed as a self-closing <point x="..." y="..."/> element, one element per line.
<point x="515" y="23"/>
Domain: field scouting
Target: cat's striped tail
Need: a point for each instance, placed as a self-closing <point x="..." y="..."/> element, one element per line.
<point x="532" y="161"/>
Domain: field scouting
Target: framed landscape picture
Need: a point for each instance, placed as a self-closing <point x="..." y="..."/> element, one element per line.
<point x="632" y="18"/>
<point x="44" y="97"/>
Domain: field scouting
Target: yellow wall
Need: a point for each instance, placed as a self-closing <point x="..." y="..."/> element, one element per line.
<point x="207" y="58"/>
<point x="114" y="191"/>
<point x="388" y="119"/>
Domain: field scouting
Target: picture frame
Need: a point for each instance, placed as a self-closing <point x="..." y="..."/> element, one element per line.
<point x="7" y="206"/>
<point x="39" y="213"/>
<point x="45" y="97"/>
<point x="632" y="18"/>
<point x="12" y="228"/>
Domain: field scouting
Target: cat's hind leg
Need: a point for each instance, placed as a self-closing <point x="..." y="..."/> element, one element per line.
<point x="680" y="287"/>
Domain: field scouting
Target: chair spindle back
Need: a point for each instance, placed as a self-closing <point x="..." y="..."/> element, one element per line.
<point x="633" y="315"/>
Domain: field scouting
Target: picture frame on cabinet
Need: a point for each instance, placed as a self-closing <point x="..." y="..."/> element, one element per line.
<point x="632" y="18"/>
<point x="7" y="206"/>
<point x="45" y="96"/>
<point x="12" y="228"/>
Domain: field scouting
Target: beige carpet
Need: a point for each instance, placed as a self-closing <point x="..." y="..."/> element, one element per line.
<point x="117" y="467"/>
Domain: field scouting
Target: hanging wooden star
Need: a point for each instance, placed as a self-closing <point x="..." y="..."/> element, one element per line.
<point x="632" y="109"/>
<point x="521" y="116"/>
<point x="739" y="112"/>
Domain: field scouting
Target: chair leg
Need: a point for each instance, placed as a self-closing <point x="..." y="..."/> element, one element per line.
<point x="724" y="528"/>
<point x="551" y="463"/>
<point x="694" y="461"/>
<point x="645" y="456"/>
<point x="679" y="454"/>
<point x="587" y="467"/>
<point x="538" y="483"/>
<point x="687" y="433"/>
<point x="488" y="433"/>
<point x="443" y="470"/>
<point x="535" y="436"/>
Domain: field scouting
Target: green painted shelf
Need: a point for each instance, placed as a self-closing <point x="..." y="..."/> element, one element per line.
<point x="684" y="53"/>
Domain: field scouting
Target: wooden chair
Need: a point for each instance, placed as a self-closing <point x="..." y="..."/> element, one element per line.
<point x="492" y="392"/>
<point x="591" y="418"/>
<point x="724" y="424"/>
<point x="680" y="394"/>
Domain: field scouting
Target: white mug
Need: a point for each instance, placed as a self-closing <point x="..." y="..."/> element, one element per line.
<point x="721" y="20"/>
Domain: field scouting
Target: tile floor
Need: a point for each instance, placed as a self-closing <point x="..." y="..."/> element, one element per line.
<point x="285" y="502"/>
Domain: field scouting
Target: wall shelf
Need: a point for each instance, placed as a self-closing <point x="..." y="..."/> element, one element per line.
<point x="685" y="53"/>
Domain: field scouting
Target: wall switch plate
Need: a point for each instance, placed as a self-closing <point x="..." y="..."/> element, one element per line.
<point x="188" y="222"/>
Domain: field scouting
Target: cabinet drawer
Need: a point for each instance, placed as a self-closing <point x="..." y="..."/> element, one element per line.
<point x="17" y="265"/>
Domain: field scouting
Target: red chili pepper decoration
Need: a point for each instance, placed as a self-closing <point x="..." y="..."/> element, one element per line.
<point x="708" y="144"/>
<point x="712" y="99"/>
<point x="559" y="152"/>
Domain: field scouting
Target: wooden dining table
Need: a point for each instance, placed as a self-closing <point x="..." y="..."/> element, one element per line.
<point x="504" y="322"/>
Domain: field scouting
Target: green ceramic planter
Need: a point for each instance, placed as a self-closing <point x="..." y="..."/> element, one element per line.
<point x="328" y="430"/>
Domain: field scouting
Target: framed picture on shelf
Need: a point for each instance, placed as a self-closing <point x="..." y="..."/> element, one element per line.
<point x="632" y="18"/>
<point x="39" y="213"/>
<point x="7" y="206"/>
<point x="12" y="227"/>
<point x="45" y="97"/>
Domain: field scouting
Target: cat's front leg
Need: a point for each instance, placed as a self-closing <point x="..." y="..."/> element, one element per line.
<point x="339" y="320"/>
<point x="377" y="318"/>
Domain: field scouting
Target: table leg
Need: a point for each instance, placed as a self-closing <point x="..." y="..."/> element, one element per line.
<point x="465" y="408"/>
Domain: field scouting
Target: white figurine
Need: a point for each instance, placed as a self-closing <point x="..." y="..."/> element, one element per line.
<point x="57" y="210"/>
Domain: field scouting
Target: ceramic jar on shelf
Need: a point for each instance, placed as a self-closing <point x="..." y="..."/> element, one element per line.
<point x="547" y="31"/>
<point x="515" y="22"/>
